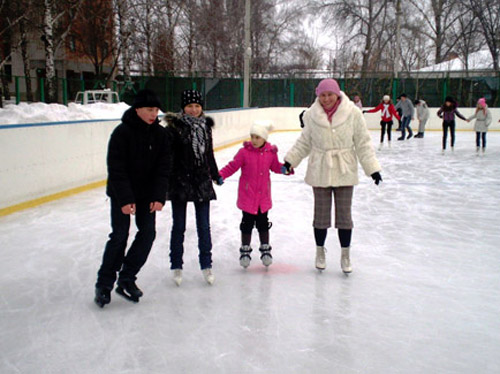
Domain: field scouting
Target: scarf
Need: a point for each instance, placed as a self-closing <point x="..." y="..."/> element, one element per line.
<point x="198" y="129"/>
<point x="385" y="111"/>
<point x="330" y="112"/>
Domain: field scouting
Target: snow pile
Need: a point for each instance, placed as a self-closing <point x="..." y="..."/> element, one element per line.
<point x="41" y="112"/>
<point x="479" y="60"/>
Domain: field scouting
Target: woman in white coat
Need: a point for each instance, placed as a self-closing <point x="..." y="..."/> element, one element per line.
<point x="335" y="137"/>
<point x="483" y="121"/>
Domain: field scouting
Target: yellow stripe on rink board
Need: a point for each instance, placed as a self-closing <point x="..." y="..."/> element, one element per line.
<point x="73" y="191"/>
<point x="46" y="199"/>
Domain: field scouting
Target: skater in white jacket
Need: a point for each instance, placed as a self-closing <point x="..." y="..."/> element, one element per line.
<point x="335" y="137"/>
<point x="482" y="115"/>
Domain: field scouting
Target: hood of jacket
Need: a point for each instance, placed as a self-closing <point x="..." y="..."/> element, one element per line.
<point x="267" y="147"/>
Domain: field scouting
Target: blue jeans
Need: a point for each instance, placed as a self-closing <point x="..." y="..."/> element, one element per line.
<point x="405" y="123"/>
<point x="114" y="259"/>
<point x="179" y="227"/>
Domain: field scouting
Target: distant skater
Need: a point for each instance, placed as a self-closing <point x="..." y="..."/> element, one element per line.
<point x="388" y="111"/>
<point x="255" y="159"/>
<point x="194" y="170"/>
<point x="483" y="121"/>
<point x="408" y="114"/>
<point x="357" y="101"/>
<point x="335" y="138"/>
<point x="447" y="112"/>
<point x="422" y="116"/>
<point x="137" y="183"/>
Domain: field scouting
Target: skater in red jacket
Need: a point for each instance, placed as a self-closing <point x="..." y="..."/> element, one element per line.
<point x="388" y="111"/>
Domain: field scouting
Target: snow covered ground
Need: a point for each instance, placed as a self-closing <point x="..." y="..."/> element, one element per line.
<point x="41" y="112"/>
<point x="424" y="296"/>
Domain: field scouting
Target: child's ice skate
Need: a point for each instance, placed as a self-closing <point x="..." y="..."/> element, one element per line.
<point x="177" y="277"/>
<point x="102" y="296"/>
<point x="266" y="257"/>
<point x="245" y="258"/>
<point x="129" y="290"/>
<point x="209" y="277"/>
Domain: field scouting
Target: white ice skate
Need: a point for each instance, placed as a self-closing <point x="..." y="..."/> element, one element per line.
<point x="266" y="257"/>
<point x="178" y="276"/>
<point x="320" y="258"/>
<point x="209" y="277"/>
<point x="245" y="258"/>
<point x="345" y="261"/>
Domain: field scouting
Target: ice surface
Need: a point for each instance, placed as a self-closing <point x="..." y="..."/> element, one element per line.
<point x="423" y="297"/>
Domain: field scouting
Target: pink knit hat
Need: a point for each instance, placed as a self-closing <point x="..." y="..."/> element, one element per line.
<point x="482" y="102"/>
<point x="328" y="85"/>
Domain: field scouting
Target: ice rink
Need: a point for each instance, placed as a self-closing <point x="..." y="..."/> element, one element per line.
<point x="424" y="295"/>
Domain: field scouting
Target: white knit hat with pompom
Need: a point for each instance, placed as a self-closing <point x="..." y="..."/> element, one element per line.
<point x="261" y="128"/>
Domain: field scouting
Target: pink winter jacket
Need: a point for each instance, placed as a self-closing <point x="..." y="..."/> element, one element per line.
<point x="254" y="189"/>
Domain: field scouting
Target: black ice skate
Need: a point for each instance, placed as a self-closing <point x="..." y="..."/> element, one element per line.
<point x="129" y="290"/>
<point x="102" y="296"/>
<point x="266" y="257"/>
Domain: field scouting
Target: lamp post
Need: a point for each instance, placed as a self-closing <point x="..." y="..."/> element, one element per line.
<point x="246" y="57"/>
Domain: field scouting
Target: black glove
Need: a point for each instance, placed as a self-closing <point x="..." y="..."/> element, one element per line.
<point x="301" y="120"/>
<point x="287" y="167"/>
<point x="377" y="178"/>
<point x="364" y="111"/>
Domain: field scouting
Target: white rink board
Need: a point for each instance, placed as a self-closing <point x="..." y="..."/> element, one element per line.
<point x="44" y="159"/>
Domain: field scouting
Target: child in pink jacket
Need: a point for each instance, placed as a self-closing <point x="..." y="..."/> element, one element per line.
<point x="255" y="159"/>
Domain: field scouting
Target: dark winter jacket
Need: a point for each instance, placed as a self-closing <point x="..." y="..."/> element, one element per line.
<point x="188" y="181"/>
<point x="137" y="161"/>
<point x="447" y="113"/>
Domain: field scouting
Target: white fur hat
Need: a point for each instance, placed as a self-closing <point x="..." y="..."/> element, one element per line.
<point x="261" y="128"/>
<point x="386" y="98"/>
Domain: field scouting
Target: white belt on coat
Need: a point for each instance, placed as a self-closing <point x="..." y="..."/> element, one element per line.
<point x="336" y="153"/>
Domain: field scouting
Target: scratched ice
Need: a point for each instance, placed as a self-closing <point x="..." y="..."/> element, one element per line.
<point x="424" y="296"/>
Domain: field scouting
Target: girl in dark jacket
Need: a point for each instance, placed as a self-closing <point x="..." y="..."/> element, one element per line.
<point x="447" y="112"/>
<point x="193" y="170"/>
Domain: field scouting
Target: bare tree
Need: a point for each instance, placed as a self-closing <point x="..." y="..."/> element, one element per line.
<point x="92" y="33"/>
<point x="57" y="20"/>
<point x="360" y="16"/>
<point x="439" y="16"/>
<point x="488" y="15"/>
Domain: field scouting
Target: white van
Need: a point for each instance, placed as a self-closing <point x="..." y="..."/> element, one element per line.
<point x="97" y="96"/>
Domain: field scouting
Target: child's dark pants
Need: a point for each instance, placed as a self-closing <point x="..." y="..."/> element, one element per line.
<point x="114" y="258"/>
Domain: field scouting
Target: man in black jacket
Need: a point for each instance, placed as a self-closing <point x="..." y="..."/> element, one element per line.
<point x="138" y="168"/>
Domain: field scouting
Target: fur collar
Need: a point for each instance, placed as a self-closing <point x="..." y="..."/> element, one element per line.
<point x="318" y="114"/>
<point x="171" y="119"/>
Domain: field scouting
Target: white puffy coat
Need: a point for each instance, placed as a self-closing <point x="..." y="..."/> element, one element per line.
<point x="334" y="148"/>
<point x="483" y="120"/>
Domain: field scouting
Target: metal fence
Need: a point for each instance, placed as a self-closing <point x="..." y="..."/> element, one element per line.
<point x="271" y="90"/>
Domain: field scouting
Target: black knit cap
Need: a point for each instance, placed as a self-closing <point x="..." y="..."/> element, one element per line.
<point x="190" y="97"/>
<point x="146" y="98"/>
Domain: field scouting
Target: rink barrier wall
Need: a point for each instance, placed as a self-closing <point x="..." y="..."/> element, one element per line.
<point x="43" y="162"/>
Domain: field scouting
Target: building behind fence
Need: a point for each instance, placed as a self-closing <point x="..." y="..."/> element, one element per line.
<point x="273" y="90"/>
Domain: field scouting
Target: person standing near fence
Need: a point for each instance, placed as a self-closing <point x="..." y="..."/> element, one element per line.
<point x="388" y="111"/>
<point x="483" y="121"/>
<point x="422" y="116"/>
<point x="408" y="114"/>
<point x="357" y="101"/>
<point x="335" y="138"/>
<point x="447" y="112"/>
